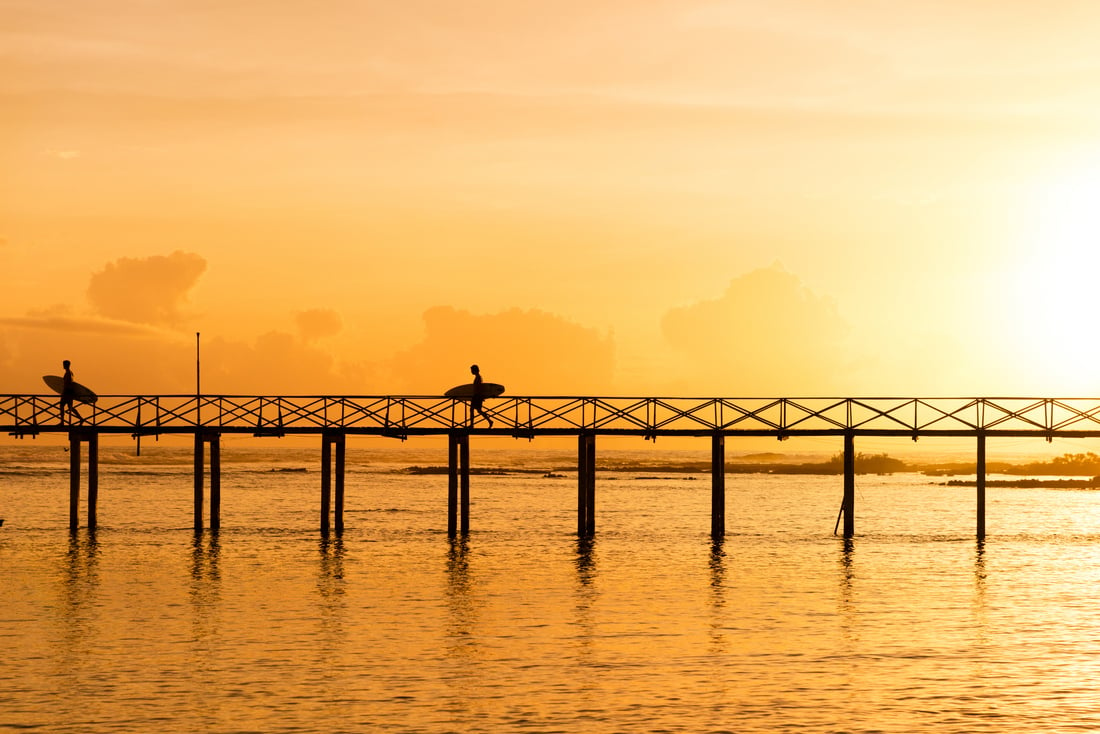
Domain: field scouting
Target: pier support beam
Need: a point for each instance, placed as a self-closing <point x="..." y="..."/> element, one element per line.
<point x="849" y="503"/>
<point x="330" y="441"/>
<point x="980" y="483"/>
<point x="718" y="485"/>
<point x="586" y="484"/>
<point x="75" y="439"/>
<point x="201" y="440"/>
<point x="458" y="478"/>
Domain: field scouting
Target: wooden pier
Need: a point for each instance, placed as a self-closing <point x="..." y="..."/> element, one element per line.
<point x="334" y="418"/>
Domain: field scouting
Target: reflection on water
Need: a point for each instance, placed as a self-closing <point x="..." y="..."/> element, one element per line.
<point x="461" y="606"/>
<point x="79" y="587"/>
<point x="717" y="565"/>
<point x="650" y="624"/>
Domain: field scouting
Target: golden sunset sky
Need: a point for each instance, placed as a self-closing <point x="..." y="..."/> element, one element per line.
<point x="601" y="197"/>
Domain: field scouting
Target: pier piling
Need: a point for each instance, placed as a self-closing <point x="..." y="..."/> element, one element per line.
<point x="330" y="441"/>
<point x="75" y="439"/>
<point x="980" y="484"/>
<point x="458" y="478"/>
<point x="718" y="485"/>
<point x="586" y="484"/>
<point x="849" y="504"/>
<point x="201" y="439"/>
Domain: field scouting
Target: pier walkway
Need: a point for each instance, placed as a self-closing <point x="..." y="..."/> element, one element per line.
<point x="333" y="418"/>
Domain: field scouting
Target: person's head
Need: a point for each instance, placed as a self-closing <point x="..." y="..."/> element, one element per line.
<point x="65" y="364"/>
<point x="474" y="369"/>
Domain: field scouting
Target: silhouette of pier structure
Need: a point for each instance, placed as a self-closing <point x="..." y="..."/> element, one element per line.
<point x="334" y="418"/>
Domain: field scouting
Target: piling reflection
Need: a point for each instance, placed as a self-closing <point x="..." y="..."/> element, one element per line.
<point x="587" y="593"/>
<point x="205" y="589"/>
<point x="461" y="610"/>
<point x="331" y="590"/>
<point x="846" y="600"/>
<point x="79" y="578"/>
<point x="980" y="603"/>
<point x="717" y="593"/>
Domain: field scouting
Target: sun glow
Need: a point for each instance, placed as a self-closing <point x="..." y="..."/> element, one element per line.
<point x="1053" y="293"/>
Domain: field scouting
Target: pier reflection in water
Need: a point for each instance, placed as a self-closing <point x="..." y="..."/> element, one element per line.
<point x="521" y="625"/>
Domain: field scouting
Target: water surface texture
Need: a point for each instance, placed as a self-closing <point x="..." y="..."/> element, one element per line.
<point x="650" y="626"/>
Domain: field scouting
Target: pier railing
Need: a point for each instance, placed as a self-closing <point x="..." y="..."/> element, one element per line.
<point x="528" y="417"/>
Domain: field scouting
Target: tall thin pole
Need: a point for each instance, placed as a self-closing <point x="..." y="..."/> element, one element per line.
<point x="198" y="384"/>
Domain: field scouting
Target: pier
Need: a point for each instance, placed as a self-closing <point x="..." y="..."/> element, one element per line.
<point x="333" y="418"/>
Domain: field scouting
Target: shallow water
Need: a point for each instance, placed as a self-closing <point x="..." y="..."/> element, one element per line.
<point x="650" y="626"/>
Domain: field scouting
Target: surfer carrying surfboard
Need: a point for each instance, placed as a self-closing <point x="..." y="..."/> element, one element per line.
<point x="478" y="397"/>
<point x="68" y="394"/>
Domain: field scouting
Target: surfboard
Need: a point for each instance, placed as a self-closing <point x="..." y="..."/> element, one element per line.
<point x="488" y="390"/>
<point x="80" y="393"/>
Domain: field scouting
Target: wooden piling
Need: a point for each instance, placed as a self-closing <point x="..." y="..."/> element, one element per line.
<point x="326" y="481"/>
<point x="586" y="484"/>
<point x="718" y="485"/>
<point x="93" y="479"/>
<point x="980" y="483"/>
<point x="464" y="482"/>
<point x="74" y="480"/>
<point x="452" y="484"/>
<point x="214" y="439"/>
<point x="849" y="504"/>
<point x="199" y="479"/>
<point x="330" y="441"/>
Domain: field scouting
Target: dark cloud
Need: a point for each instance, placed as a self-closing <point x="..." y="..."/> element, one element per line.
<point x="768" y="334"/>
<point x="146" y="290"/>
<point x="317" y="323"/>
<point x="530" y="352"/>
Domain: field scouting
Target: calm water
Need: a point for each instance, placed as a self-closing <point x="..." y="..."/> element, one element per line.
<point x="520" y="627"/>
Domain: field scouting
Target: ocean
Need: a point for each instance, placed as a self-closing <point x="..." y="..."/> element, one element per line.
<point x="650" y="625"/>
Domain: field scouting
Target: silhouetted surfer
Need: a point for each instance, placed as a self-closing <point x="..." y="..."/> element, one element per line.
<point x="68" y="393"/>
<point x="476" y="400"/>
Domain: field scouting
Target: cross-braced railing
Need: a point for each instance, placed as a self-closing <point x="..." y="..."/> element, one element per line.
<point x="404" y="416"/>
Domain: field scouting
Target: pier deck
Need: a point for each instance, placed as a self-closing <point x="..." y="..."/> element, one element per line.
<point x="333" y="418"/>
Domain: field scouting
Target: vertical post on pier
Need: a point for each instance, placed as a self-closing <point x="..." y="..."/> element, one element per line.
<point x="586" y="484"/>
<point x="718" y="485"/>
<point x="341" y="445"/>
<point x="326" y="482"/>
<point x="464" y="482"/>
<point x="215" y="481"/>
<point x="74" y="480"/>
<point x="849" y="503"/>
<point x="452" y="484"/>
<point x="981" y="485"/>
<point x="199" y="479"/>
<point x="93" y="479"/>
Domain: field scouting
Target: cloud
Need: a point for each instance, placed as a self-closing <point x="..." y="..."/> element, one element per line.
<point x="767" y="334"/>
<point x="317" y="323"/>
<point x="75" y="324"/>
<point x="146" y="290"/>
<point x="531" y="352"/>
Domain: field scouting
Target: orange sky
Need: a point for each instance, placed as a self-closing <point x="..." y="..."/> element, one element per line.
<point x="600" y="197"/>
